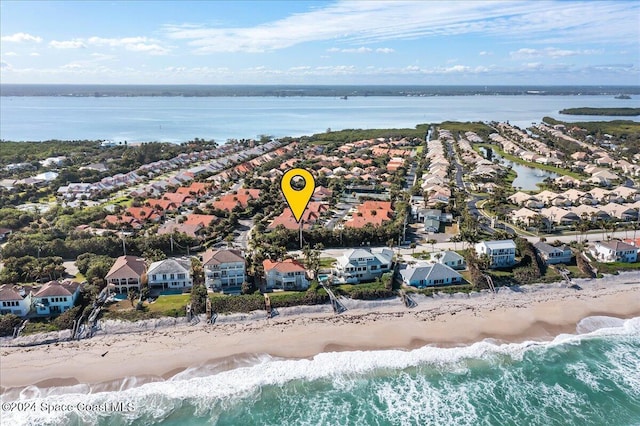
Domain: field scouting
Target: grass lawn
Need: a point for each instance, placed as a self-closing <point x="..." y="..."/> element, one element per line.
<point x="530" y="164"/>
<point x="348" y="288"/>
<point x="326" y="262"/>
<point x="169" y="303"/>
<point x="419" y="150"/>
<point x="615" y="267"/>
<point x="422" y="255"/>
<point x="123" y="201"/>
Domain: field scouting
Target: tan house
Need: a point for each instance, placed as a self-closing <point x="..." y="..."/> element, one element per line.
<point x="126" y="274"/>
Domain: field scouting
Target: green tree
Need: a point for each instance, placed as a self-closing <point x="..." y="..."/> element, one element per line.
<point x="248" y="288"/>
<point x="197" y="272"/>
<point x="198" y="299"/>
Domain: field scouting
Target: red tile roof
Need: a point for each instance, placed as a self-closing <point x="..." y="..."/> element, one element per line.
<point x="371" y="212"/>
<point x="229" y="201"/>
<point x="288" y="265"/>
<point x="200" y="219"/>
<point x="161" y="205"/>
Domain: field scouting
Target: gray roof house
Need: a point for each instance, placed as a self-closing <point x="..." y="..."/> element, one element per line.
<point x="427" y="275"/>
<point x="552" y="255"/>
<point x="449" y="258"/>
<point x="361" y="265"/>
<point x="170" y="274"/>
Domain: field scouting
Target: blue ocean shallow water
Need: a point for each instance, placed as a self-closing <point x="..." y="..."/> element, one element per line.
<point x="179" y="119"/>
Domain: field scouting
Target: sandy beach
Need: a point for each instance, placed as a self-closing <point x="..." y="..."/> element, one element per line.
<point x="532" y="313"/>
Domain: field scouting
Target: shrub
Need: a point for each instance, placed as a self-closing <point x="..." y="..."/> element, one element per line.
<point x="7" y="323"/>
<point x="65" y="320"/>
<point x="242" y="303"/>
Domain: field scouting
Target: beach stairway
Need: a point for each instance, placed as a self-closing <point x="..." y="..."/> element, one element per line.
<point x="337" y="306"/>
<point x="490" y="283"/>
<point x="407" y="300"/>
<point x="17" y="330"/>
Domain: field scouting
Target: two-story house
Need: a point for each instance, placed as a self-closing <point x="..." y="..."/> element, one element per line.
<point x="429" y="274"/>
<point x="224" y="270"/>
<point x="126" y="274"/>
<point x="286" y="275"/>
<point x="501" y="252"/>
<point x="361" y="265"/>
<point x="553" y="255"/>
<point x="615" y="251"/>
<point x="55" y="297"/>
<point x="169" y="274"/>
<point x="14" y="300"/>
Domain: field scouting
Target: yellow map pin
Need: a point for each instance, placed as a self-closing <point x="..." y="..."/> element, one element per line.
<point x="297" y="199"/>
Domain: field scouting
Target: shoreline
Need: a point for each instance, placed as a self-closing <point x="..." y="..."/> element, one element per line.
<point x="119" y="361"/>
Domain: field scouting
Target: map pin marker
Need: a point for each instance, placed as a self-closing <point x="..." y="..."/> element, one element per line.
<point x="297" y="199"/>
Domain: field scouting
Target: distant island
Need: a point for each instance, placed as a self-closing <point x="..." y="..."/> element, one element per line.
<point x="619" y="112"/>
<point x="621" y="96"/>
<point x="340" y="91"/>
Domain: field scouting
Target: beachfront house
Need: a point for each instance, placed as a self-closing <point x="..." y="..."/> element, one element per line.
<point x="170" y="274"/>
<point x="55" y="297"/>
<point x="14" y="300"/>
<point x="224" y="270"/>
<point x="126" y="274"/>
<point x="553" y="255"/>
<point x="501" y="252"/>
<point x="286" y="275"/>
<point x="615" y="251"/>
<point x="428" y="275"/>
<point x="361" y="265"/>
<point x="449" y="258"/>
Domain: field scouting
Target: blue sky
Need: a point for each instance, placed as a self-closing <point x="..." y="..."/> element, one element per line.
<point x="317" y="42"/>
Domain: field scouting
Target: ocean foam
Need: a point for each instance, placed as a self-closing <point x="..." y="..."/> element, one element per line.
<point x="159" y="399"/>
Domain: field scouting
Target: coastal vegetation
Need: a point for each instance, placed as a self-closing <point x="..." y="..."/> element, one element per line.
<point x="623" y="112"/>
<point x="619" y="129"/>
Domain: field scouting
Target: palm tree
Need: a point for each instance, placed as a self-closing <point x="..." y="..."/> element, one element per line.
<point x="433" y="243"/>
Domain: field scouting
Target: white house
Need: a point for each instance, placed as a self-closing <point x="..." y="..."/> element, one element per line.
<point x="449" y="258"/>
<point x="286" y="275"/>
<point x="553" y="255"/>
<point x="14" y="300"/>
<point x="169" y="274"/>
<point x="56" y="297"/>
<point x="615" y="251"/>
<point x="502" y="252"/>
<point x="224" y="270"/>
<point x="360" y="265"/>
<point x="429" y="274"/>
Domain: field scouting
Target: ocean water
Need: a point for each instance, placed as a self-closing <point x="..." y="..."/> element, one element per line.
<point x="588" y="378"/>
<point x="179" y="119"/>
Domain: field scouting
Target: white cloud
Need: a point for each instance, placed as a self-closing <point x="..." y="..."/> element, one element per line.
<point x="370" y="22"/>
<point x="485" y="53"/>
<point x="34" y="54"/>
<point x="21" y="37"/>
<point x="133" y="44"/>
<point x="4" y="65"/>
<point x="67" y="44"/>
<point x="11" y="54"/>
<point x="360" y="50"/>
<point x="551" y="52"/>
